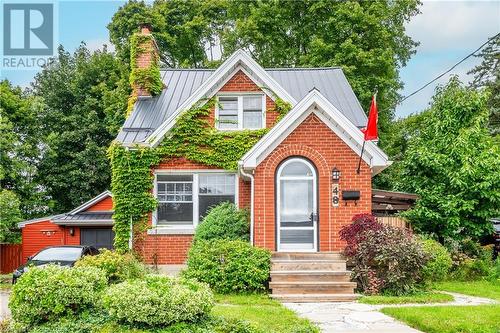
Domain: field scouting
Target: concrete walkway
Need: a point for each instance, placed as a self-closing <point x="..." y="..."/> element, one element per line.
<point x="353" y="317"/>
<point x="4" y="304"/>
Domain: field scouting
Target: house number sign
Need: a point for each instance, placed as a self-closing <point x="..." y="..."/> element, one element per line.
<point x="335" y="195"/>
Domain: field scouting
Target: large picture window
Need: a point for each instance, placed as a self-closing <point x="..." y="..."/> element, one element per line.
<point x="240" y="112"/>
<point x="183" y="200"/>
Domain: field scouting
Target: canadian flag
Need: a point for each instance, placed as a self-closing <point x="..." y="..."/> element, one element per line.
<point x="371" y="132"/>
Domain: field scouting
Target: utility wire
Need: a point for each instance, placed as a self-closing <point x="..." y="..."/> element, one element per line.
<point x="449" y="70"/>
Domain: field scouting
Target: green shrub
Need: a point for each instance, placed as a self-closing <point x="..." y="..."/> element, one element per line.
<point x="118" y="267"/>
<point x="48" y="293"/>
<point x="438" y="263"/>
<point x="158" y="301"/>
<point x="224" y="221"/>
<point x="86" y="322"/>
<point x="388" y="260"/>
<point x="229" y="266"/>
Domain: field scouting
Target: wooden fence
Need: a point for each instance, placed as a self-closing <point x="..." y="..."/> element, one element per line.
<point x="10" y="257"/>
<point x="394" y="221"/>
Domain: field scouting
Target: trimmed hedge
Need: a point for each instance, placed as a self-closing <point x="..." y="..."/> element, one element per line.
<point x="118" y="267"/>
<point x="229" y="266"/>
<point x="51" y="292"/>
<point x="158" y="301"/>
<point x="224" y="221"/>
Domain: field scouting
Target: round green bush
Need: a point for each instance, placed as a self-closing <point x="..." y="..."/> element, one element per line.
<point x="50" y="292"/>
<point x="224" y="221"/>
<point x="118" y="267"/>
<point x="229" y="266"/>
<point x="158" y="301"/>
<point x="438" y="261"/>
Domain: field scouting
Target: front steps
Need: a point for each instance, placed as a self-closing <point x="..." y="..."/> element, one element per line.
<point x="310" y="277"/>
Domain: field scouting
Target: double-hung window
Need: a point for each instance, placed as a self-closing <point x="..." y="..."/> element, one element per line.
<point x="241" y="112"/>
<point x="183" y="200"/>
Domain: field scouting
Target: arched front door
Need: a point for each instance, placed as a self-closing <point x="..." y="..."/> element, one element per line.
<point x="296" y="205"/>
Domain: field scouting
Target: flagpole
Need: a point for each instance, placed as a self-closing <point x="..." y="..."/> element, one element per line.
<point x="360" y="157"/>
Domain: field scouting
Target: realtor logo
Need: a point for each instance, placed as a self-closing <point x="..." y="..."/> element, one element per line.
<point x="28" y="29"/>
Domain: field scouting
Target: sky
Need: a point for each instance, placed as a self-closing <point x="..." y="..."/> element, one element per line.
<point x="447" y="32"/>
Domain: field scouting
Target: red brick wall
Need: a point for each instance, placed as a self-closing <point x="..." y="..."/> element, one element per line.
<point x="240" y="82"/>
<point x="314" y="140"/>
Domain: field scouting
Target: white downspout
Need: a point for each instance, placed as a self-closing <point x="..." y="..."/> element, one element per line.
<point x="249" y="175"/>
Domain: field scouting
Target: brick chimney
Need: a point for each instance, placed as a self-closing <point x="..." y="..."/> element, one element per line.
<point x="147" y="53"/>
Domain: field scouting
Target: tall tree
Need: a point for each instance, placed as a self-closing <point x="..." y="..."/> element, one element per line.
<point x="9" y="217"/>
<point x="85" y="97"/>
<point x="453" y="165"/>
<point x="487" y="75"/>
<point x="20" y="148"/>
<point x="366" y="38"/>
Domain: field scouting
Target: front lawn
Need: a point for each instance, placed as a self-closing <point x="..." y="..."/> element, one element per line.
<point x="262" y="312"/>
<point x="488" y="289"/>
<point x="449" y="319"/>
<point x="423" y="297"/>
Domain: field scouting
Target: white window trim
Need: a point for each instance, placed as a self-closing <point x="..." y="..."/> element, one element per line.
<point x="187" y="229"/>
<point x="240" y="95"/>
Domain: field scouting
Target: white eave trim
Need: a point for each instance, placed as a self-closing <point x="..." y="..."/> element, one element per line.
<point x="40" y="219"/>
<point x="91" y="202"/>
<point x="316" y="103"/>
<point x="237" y="59"/>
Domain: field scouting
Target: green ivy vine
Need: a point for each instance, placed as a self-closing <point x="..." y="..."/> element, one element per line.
<point x="193" y="138"/>
<point x="149" y="78"/>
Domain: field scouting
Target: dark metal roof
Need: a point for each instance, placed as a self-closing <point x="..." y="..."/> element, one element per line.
<point x="150" y="113"/>
<point x="86" y="218"/>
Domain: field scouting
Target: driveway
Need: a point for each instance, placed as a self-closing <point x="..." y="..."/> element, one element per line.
<point x="4" y="302"/>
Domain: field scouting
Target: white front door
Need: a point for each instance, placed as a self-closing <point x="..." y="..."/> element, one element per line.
<point x="296" y="206"/>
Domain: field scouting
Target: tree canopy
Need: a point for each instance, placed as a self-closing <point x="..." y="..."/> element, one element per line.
<point x="452" y="164"/>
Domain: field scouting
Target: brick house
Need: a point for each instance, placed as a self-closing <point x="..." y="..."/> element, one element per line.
<point x="288" y="180"/>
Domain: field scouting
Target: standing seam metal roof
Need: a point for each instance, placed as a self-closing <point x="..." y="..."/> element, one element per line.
<point x="149" y="113"/>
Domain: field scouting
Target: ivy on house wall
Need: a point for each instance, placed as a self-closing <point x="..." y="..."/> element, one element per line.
<point x="193" y="138"/>
<point x="148" y="78"/>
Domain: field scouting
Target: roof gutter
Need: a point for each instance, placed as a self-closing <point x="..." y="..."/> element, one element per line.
<point x="251" y="177"/>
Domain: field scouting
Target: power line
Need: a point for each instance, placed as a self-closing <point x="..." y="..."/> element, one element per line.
<point x="449" y="70"/>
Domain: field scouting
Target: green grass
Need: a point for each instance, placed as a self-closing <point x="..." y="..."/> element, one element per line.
<point x="488" y="289"/>
<point x="424" y="297"/>
<point x="449" y="319"/>
<point x="263" y="312"/>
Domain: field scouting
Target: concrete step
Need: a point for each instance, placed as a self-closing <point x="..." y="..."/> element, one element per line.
<point x="312" y="287"/>
<point x="315" y="298"/>
<point x="308" y="255"/>
<point x="305" y="265"/>
<point x="308" y="275"/>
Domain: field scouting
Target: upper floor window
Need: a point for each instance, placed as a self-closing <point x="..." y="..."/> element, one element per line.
<point x="241" y="112"/>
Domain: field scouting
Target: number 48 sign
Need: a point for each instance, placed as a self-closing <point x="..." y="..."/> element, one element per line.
<point x="335" y="195"/>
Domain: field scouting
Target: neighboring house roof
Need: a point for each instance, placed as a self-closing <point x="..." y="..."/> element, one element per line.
<point x="79" y="216"/>
<point x="391" y="202"/>
<point x="318" y="104"/>
<point x="153" y="117"/>
<point x="40" y="219"/>
<point x="85" y="218"/>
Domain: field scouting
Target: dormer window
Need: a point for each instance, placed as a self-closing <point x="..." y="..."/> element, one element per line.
<point x="237" y="112"/>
